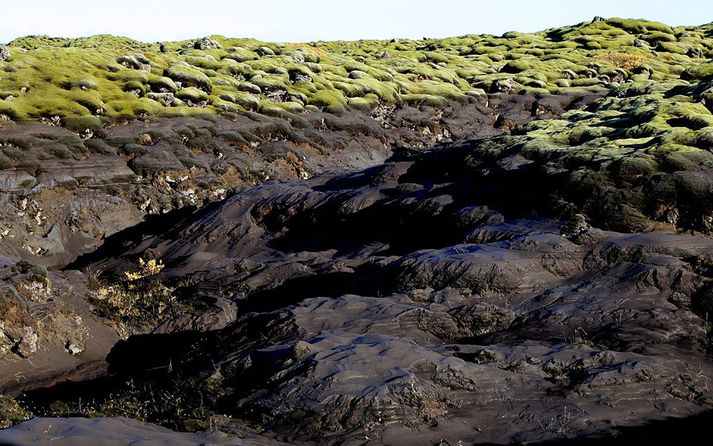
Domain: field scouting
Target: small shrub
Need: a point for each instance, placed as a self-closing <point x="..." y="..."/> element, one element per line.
<point x="626" y="61"/>
<point x="138" y="300"/>
<point x="146" y="269"/>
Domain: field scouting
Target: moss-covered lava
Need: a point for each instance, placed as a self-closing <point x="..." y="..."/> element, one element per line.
<point x="104" y="78"/>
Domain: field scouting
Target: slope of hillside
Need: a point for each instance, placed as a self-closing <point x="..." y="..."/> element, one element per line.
<point x="476" y="239"/>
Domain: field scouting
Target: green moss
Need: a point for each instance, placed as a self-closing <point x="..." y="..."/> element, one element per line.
<point x="82" y="123"/>
<point x="672" y="48"/>
<point x="699" y="71"/>
<point x="327" y="98"/>
<point x="240" y="54"/>
<point x="350" y="89"/>
<point x="272" y="83"/>
<point x="161" y="84"/>
<point x="276" y="108"/>
<point x="365" y="103"/>
<point x="192" y="94"/>
<point x="207" y="62"/>
<point x="436" y="89"/>
<point x="132" y="109"/>
<point x="9" y="111"/>
<point x="676" y="157"/>
<point x="125" y="76"/>
<point x="639" y="26"/>
<point x="658" y="36"/>
<point x="188" y="76"/>
<point x="518" y="65"/>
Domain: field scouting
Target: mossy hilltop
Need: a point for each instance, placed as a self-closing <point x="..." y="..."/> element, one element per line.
<point x="88" y="82"/>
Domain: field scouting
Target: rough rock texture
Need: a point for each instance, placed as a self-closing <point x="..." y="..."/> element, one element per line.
<point x="48" y="332"/>
<point x="59" y="326"/>
<point x="112" y="432"/>
<point x="392" y="305"/>
<point x="435" y="296"/>
<point x="438" y="267"/>
<point x="53" y="211"/>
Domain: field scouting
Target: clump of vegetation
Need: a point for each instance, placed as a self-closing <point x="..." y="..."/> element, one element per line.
<point x="146" y="268"/>
<point x="183" y="404"/>
<point x="11" y="412"/>
<point x="135" y="303"/>
<point x="626" y="61"/>
<point x="635" y="158"/>
<point x="139" y="299"/>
